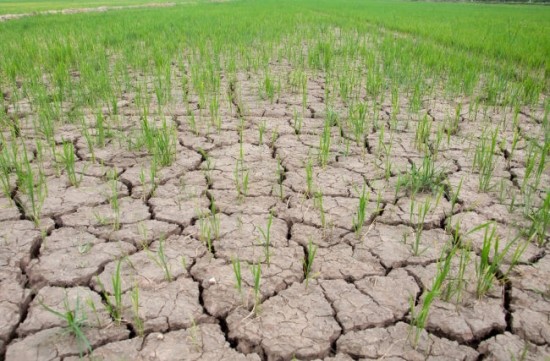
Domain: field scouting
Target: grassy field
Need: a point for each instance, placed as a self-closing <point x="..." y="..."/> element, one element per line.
<point x="337" y="150"/>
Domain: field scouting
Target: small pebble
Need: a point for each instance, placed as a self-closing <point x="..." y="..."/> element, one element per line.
<point x="212" y="281"/>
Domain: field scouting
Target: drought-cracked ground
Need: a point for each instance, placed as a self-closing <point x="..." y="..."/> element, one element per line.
<point x="178" y="290"/>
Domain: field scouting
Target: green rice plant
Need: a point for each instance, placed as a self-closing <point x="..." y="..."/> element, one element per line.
<point x="33" y="186"/>
<point x="76" y="319"/>
<point x="453" y="198"/>
<point x="257" y="278"/>
<point x="484" y="159"/>
<point x="280" y="174"/>
<point x="423" y="131"/>
<point x="308" y="261"/>
<point x="488" y="266"/>
<point x="261" y="130"/>
<point x="422" y="210"/>
<point x="236" y="263"/>
<point x="309" y="178"/>
<point x="165" y="144"/>
<point x="92" y="306"/>
<point x="138" y="322"/>
<point x="68" y="159"/>
<point x="268" y="88"/>
<point x="113" y="303"/>
<point x="422" y="179"/>
<point x="357" y="118"/>
<point x="540" y="222"/>
<point x="457" y="284"/>
<point x="318" y="203"/>
<point x="205" y="231"/>
<point x="101" y="132"/>
<point x="163" y="261"/>
<point x="113" y="199"/>
<point x="361" y="213"/>
<point x="266" y="238"/>
<point x="420" y="317"/>
<point x="90" y="143"/>
<point x="241" y="178"/>
<point x="324" y="143"/>
<point x="298" y="123"/>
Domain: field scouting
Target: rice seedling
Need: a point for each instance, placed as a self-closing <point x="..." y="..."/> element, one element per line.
<point x="162" y="261"/>
<point x="309" y="178"/>
<point x="261" y="130"/>
<point x="491" y="258"/>
<point x="280" y="174"/>
<point x="540" y="222"/>
<point x="114" y="200"/>
<point x="318" y="203"/>
<point x="236" y="263"/>
<point x="298" y="123"/>
<point x="424" y="178"/>
<point x="76" y="320"/>
<point x="241" y="178"/>
<point x="113" y="303"/>
<point x="423" y="131"/>
<point x="137" y="321"/>
<point x="265" y="242"/>
<point x="484" y="159"/>
<point x="420" y="317"/>
<point x="324" y="143"/>
<point x="256" y="270"/>
<point x="68" y="159"/>
<point x="33" y="186"/>
<point x="311" y="251"/>
<point x="421" y="212"/>
<point x="361" y="213"/>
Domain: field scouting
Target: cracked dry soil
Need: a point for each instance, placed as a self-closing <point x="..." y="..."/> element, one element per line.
<point x="357" y="304"/>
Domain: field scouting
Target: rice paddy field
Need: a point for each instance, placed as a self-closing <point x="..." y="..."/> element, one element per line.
<point x="275" y="180"/>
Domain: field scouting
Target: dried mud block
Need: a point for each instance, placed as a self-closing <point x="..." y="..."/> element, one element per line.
<point x="511" y="347"/>
<point x="82" y="255"/>
<point x="8" y="210"/>
<point x="56" y="344"/>
<point x="164" y="306"/>
<point x="400" y="213"/>
<point x="337" y="212"/>
<point x="298" y="322"/>
<point x="333" y="181"/>
<point x="302" y="234"/>
<point x="230" y="203"/>
<point x="395" y="246"/>
<point x="145" y="268"/>
<point x="14" y="299"/>
<point x="202" y="342"/>
<point x="241" y="236"/>
<point x="85" y="303"/>
<point x="530" y="301"/>
<point x="139" y="234"/>
<point x="356" y="309"/>
<point x="130" y="211"/>
<point x="396" y="343"/>
<point x="65" y="198"/>
<point x="139" y="176"/>
<point x="112" y="154"/>
<point x="345" y="262"/>
<point x="20" y="239"/>
<point x="180" y="200"/>
<point x="218" y="280"/>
